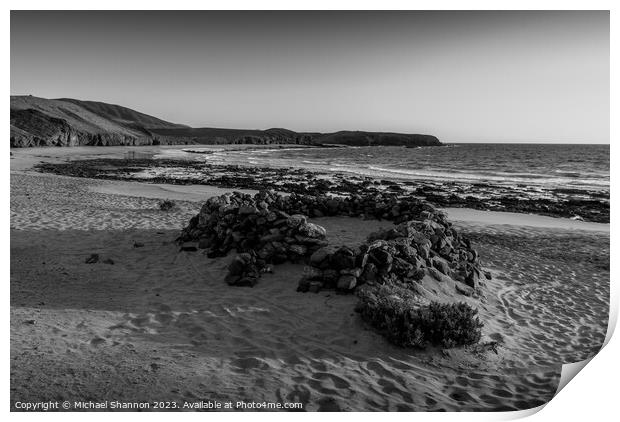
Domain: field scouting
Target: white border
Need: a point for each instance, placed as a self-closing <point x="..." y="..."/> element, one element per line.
<point x="591" y="396"/>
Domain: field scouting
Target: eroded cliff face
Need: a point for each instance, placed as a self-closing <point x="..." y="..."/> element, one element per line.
<point x="31" y="128"/>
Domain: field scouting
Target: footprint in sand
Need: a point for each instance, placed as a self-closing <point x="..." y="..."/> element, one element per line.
<point x="337" y="381"/>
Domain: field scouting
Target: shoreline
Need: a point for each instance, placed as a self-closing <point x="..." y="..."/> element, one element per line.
<point x="298" y="180"/>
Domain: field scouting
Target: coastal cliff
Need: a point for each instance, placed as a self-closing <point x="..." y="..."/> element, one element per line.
<point x="39" y="122"/>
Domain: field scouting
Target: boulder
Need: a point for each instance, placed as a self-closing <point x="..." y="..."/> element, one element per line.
<point x="239" y="264"/>
<point x="312" y="230"/>
<point x="294" y="221"/>
<point x="382" y="258"/>
<point x="318" y="257"/>
<point x="343" y="258"/>
<point x="347" y="282"/>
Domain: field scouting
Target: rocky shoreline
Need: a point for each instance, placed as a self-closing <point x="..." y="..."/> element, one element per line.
<point x="578" y="204"/>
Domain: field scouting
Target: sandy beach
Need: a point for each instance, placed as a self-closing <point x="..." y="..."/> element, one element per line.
<point x="149" y="322"/>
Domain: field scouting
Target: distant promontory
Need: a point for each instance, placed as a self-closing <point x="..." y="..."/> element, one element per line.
<point x="67" y="122"/>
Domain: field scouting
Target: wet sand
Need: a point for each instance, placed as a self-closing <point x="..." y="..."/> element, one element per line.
<point x="160" y="324"/>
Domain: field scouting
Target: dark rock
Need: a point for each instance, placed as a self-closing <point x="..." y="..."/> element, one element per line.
<point x="370" y="272"/>
<point x="247" y="281"/>
<point x="303" y="285"/>
<point x="343" y="258"/>
<point x="418" y="274"/>
<point x="92" y="259"/>
<point x="204" y="243"/>
<point x="300" y="250"/>
<point x="318" y="257"/>
<point x="330" y="276"/>
<point x="382" y="258"/>
<point x="464" y="289"/>
<point x="189" y="247"/>
<point x="315" y="286"/>
<point x="239" y="264"/>
<point x="167" y="205"/>
<point x="247" y="209"/>
<point x="347" y="282"/>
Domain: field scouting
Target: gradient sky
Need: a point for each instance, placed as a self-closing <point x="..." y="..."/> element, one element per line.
<point x="462" y="76"/>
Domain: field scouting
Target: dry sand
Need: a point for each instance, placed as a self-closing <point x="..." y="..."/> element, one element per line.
<point x="160" y="324"/>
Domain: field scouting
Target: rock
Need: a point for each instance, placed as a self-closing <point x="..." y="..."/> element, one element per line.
<point x="189" y="247"/>
<point x="343" y="258"/>
<point x="247" y="209"/>
<point x="441" y="265"/>
<point x="464" y="289"/>
<point x="361" y="259"/>
<point x="303" y="285"/>
<point x="355" y="272"/>
<point x="401" y="267"/>
<point x="239" y="264"/>
<point x="247" y="281"/>
<point x="310" y="241"/>
<point x="294" y="221"/>
<point x="231" y="279"/>
<point x="298" y="249"/>
<point x="312" y="230"/>
<point x="108" y="261"/>
<point x="347" y="282"/>
<point x="204" y="243"/>
<point x="424" y="251"/>
<point x="315" y="286"/>
<point x="419" y="238"/>
<point x="418" y="274"/>
<point x="370" y="273"/>
<point x="166" y="205"/>
<point x="330" y="276"/>
<point x="317" y="258"/>
<point x="137" y="244"/>
<point x="279" y="258"/>
<point x="435" y="273"/>
<point x="214" y="253"/>
<point x="272" y="237"/>
<point x="332" y="205"/>
<point x="92" y="259"/>
<point x="382" y="258"/>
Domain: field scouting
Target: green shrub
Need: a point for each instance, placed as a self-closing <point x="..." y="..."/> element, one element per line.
<point x="407" y="321"/>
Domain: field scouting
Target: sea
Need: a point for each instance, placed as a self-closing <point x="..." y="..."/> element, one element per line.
<point x="569" y="167"/>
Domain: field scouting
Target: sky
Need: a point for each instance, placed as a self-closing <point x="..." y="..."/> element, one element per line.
<point x="469" y="76"/>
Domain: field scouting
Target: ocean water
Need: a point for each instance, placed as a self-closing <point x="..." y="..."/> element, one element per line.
<point x="548" y="166"/>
